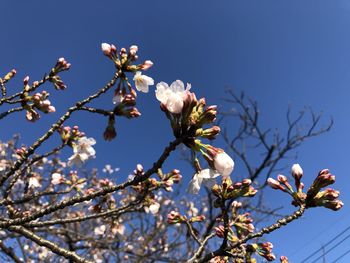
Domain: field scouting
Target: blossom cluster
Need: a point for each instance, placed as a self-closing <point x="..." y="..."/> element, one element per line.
<point x="53" y="206"/>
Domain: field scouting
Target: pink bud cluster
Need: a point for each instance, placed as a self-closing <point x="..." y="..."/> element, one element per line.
<point x="61" y="65"/>
<point x="125" y="103"/>
<point x="243" y="225"/>
<point x="168" y="180"/>
<point x="229" y="190"/>
<point x="123" y="59"/>
<point x="41" y="102"/>
<point x="69" y="135"/>
<point x="265" y="250"/>
<point x="313" y="197"/>
<point x="326" y="198"/>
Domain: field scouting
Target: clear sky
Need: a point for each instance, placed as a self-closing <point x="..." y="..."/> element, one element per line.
<point x="279" y="52"/>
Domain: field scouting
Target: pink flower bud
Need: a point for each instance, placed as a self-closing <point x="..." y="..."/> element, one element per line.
<point x="296" y="171"/>
<point x="223" y="163"/>
<point x="274" y="184"/>
<point x="146" y="65"/>
<point x="133" y="50"/>
<point x="282" y="179"/>
<point x="26" y="80"/>
<point x="220" y="231"/>
<point x="284" y="259"/>
<point x="51" y="109"/>
<point x="106" y="49"/>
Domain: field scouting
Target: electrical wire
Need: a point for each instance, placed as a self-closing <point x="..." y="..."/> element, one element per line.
<point x="329" y="250"/>
<point x="328" y="243"/>
<point x="340" y="257"/>
<point x="322" y="232"/>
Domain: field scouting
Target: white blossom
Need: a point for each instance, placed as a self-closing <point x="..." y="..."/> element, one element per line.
<point x="34" y="182"/>
<point x="142" y="82"/>
<point x="153" y="208"/>
<point x="108" y="169"/>
<point x="118" y="229"/>
<point x="206" y="176"/>
<point x="3" y="165"/>
<point x="100" y="230"/>
<point x="223" y="163"/>
<point x="56" y="178"/>
<point x="172" y="97"/>
<point x="83" y="150"/>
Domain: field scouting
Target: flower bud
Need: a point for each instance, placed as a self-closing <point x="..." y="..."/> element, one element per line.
<point x="223" y="163"/>
<point x="25" y="81"/>
<point x="9" y="75"/>
<point x="220" y="231"/>
<point x="106" y="49"/>
<point x="199" y="218"/>
<point x="296" y="171"/>
<point x="133" y="50"/>
<point x="175" y="217"/>
<point x="284" y="259"/>
<point x="110" y="132"/>
<point x="210" y="133"/>
<point x="146" y="65"/>
<point x="274" y="184"/>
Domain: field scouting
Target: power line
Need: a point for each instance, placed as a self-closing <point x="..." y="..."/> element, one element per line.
<point x="324" y="230"/>
<point x="329" y="250"/>
<point x="343" y="255"/>
<point x="328" y="243"/>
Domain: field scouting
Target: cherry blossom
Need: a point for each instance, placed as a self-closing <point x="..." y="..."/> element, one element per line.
<point x="205" y="176"/>
<point x="172" y="97"/>
<point x="153" y="208"/>
<point x="34" y="182"/>
<point x="100" y="230"/>
<point x="83" y="150"/>
<point x="142" y="82"/>
<point x="57" y="178"/>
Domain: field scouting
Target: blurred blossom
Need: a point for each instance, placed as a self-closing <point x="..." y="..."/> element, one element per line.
<point x="100" y="230"/>
<point x="57" y="178"/>
<point x="108" y="169"/>
<point x="34" y="182"/>
<point x="153" y="208"/>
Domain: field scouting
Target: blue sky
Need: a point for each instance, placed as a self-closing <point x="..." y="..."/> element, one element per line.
<point x="279" y="52"/>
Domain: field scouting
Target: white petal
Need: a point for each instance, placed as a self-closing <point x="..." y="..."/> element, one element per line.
<point x="154" y="208"/>
<point x="137" y="74"/>
<point x="175" y="103"/>
<point x="195" y="184"/>
<point x="223" y="163"/>
<point x="141" y="85"/>
<point x="177" y="86"/>
<point x="161" y="91"/>
<point x="148" y="80"/>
